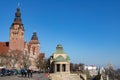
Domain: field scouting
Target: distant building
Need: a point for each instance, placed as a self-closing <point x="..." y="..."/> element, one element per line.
<point x="91" y="67"/>
<point x="60" y="61"/>
<point x="17" y="42"/>
<point x="103" y="74"/>
<point x="93" y="70"/>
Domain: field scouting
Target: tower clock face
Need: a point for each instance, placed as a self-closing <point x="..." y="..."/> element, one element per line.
<point x="16" y="27"/>
<point x="15" y="31"/>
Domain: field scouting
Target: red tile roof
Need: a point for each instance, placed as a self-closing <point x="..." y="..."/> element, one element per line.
<point x="4" y="47"/>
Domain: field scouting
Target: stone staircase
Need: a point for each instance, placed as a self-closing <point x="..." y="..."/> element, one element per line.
<point x="63" y="76"/>
<point x="74" y="77"/>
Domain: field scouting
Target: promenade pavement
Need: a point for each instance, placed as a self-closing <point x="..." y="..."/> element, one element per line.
<point x="40" y="76"/>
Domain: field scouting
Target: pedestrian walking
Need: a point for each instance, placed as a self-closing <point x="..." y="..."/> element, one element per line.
<point x="28" y="72"/>
<point x="25" y="72"/>
<point x="31" y="73"/>
<point x="22" y="72"/>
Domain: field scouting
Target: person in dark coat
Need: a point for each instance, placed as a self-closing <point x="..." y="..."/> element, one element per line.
<point x="22" y="72"/>
<point x="28" y="72"/>
<point x="25" y="72"/>
<point x="31" y="72"/>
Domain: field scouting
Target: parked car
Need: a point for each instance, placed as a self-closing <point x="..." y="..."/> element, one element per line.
<point x="2" y="72"/>
<point x="7" y="72"/>
<point x="14" y="71"/>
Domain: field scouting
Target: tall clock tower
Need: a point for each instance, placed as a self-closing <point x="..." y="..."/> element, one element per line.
<point x="17" y="33"/>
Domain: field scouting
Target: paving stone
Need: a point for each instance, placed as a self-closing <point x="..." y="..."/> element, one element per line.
<point x="40" y="76"/>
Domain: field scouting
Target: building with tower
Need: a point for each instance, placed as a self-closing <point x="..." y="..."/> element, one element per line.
<point x="17" y="41"/>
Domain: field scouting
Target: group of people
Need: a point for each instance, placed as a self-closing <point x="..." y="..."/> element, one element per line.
<point x="26" y="72"/>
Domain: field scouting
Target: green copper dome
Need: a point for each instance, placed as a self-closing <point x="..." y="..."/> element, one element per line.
<point x="59" y="49"/>
<point x="68" y="58"/>
<point x="60" y="58"/>
<point x="59" y="45"/>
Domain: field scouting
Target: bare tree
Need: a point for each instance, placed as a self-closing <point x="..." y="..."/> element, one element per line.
<point x="25" y="60"/>
<point x="117" y="74"/>
<point x="111" y="72"/>
<point x="15" y="57"/>
<point x="81" y="67"/>
<point x="4" y="59"/>
<point x="40" y="63"/>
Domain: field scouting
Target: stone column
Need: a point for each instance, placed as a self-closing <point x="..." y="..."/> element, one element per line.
<point x="55" y="69"/>
<point x="60" y="67"/>
<point x="68" y="67"/>
<point x="65" y="67"/>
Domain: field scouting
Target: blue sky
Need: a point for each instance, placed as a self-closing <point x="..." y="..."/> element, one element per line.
<point x="89" y="30"/>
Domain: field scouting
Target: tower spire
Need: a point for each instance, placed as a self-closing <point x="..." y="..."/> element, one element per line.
<point x="18" y="4"/>
<point x="17" y="16"/>
<point x="17" y="19"/>
<point x="34" y="39"/>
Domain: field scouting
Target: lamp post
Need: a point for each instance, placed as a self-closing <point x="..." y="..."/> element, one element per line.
<point x="48" y="69"/>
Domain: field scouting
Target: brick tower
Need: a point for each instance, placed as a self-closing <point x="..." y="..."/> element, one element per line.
<point x="34" y="42"/>
<point x="17" y="33"/>
<point x="35" y="47"/>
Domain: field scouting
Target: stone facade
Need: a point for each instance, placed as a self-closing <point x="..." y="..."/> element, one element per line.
<point x="34" y="50"/>
<point x="59" y="61"/>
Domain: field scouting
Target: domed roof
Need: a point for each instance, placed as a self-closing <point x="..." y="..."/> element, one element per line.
<point x="61" y="58"/>
<point x="59" y="49"/>
<point x="17" y="19"/>
<point x="18" y="14"/>
<point x="59" y="45"/>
